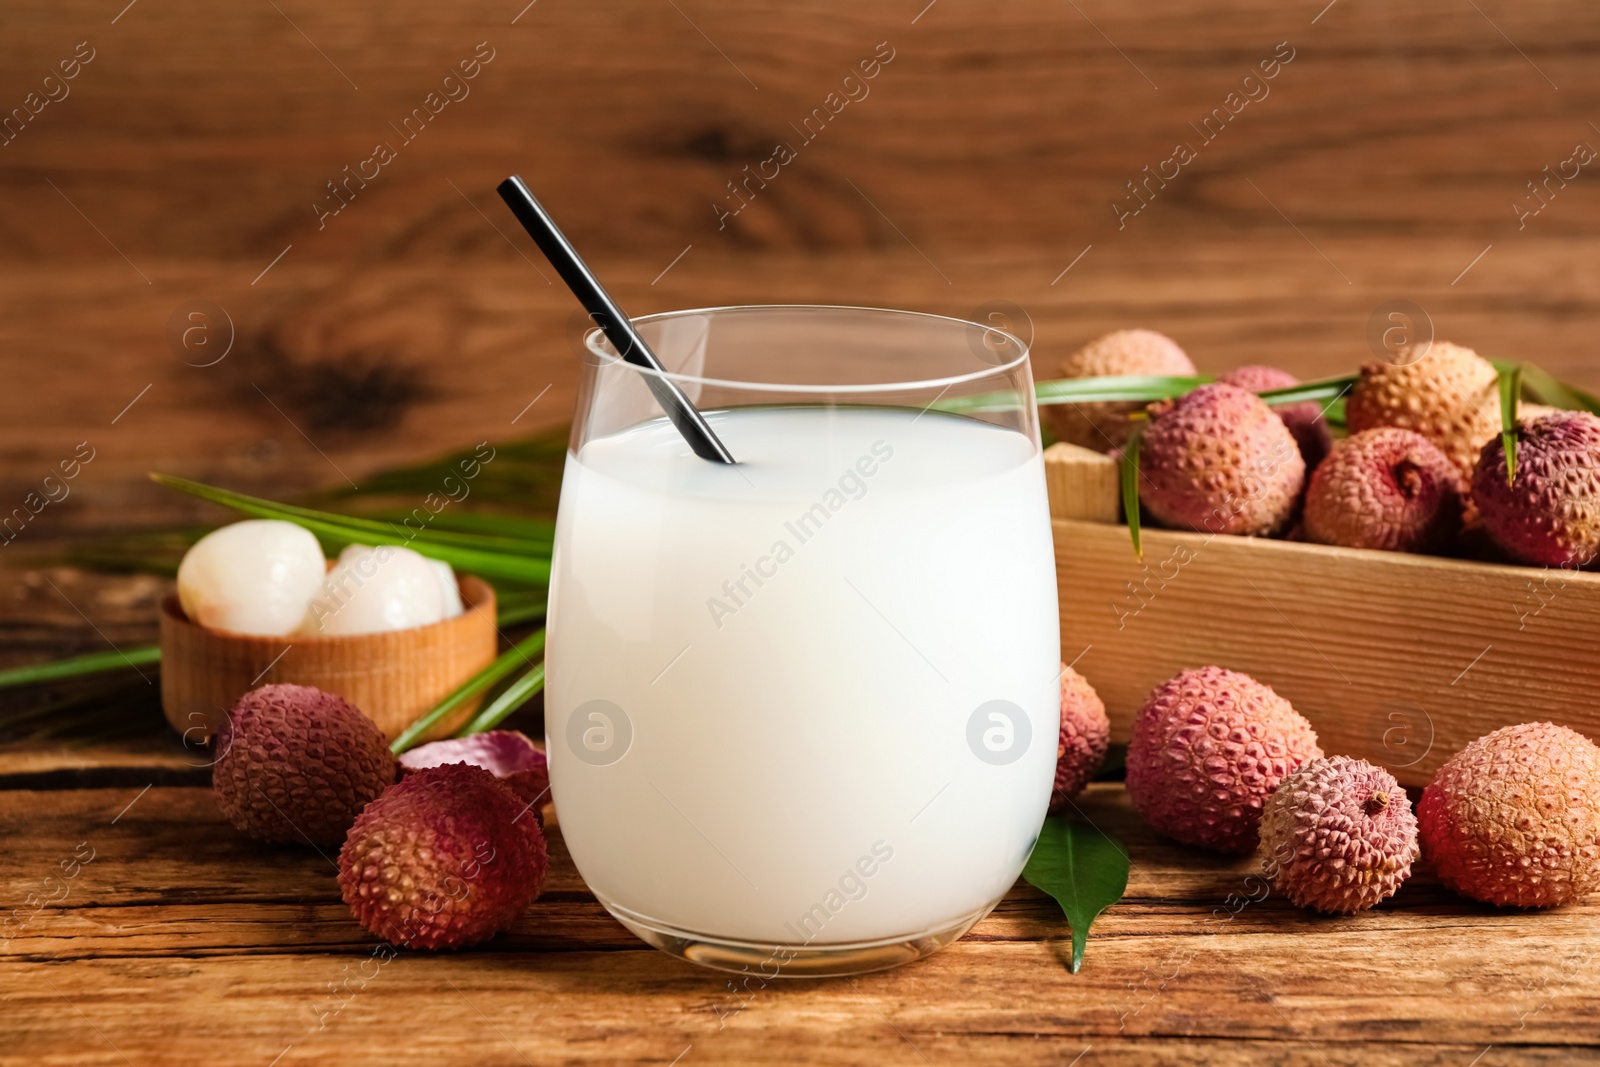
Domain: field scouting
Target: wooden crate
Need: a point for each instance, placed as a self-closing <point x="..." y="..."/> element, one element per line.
<point x="1399" y="659"/>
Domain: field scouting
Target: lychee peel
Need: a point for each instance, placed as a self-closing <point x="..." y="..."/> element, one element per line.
<point x="1105" y="426"/>
<point x="1387" y="488"/>
<point x="1085" y="736"/>
<point x="1338" y="835"/>
<point x="1208" y="748"/>
<point x="443" y="859"/>
<point x="1514" y="817"/>
<point x="1218" y="460"/>
<point x="1305" y="419"/>
<point x="1550" y="515"/>
<point x="1445" y="392"/>
<point x="298" y="764"/>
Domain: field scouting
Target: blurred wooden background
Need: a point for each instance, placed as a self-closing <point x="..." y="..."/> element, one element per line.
<point x="185" y="160"/>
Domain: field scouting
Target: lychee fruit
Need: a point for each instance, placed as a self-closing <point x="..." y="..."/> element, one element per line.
<point x="443" y="859"/>
<point x="1218" y="460"/>
<point x="1085" y="736"/>
<point x="298" y="764"/>
<point x="1514" y="818"/>
<point x="1208" y="748"/>
<point x="1388" y="489"/>
<point x="1445" y="392"/>
<point x="1551" y="514"/>
<point x="1104" y="426"/>
<point x="1338" y="835"/>
<point x="509" y="755"/>
<point x="1304" y="419"/>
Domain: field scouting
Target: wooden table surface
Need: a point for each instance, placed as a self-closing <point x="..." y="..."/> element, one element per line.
<point x="182" y="942"/>
<point x="1386" y="164"/>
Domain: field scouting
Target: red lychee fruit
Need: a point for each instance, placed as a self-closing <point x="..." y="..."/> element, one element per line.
<point x="1514" y="818"/>
<point x="443" y="859"/>
<point x="1551" y="514"/>
<point x="1208" y="748"/>
<point x="1387" y="489"/>
<point x="298" y="764"/>
<point x="1085" y="735"/>
<point x="509" y="755"/>
<point x="1304" y="419"/>
<point x="1338" y="835"/>
<point x="1218" y="460"/>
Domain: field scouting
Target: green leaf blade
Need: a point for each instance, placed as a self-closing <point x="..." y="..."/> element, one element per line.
<point x="79" y="666"/>
<point x="517" y="694"/>
<point x="502" y="665"/>
<point x="1128" y="472"/>
<point x="1083" y="869"/>
<point x="1510" y="393"/>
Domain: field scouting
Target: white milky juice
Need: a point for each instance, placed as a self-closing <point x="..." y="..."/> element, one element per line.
<point x="767" y="683"/>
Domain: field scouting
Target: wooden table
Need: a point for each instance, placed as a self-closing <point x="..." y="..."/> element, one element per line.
<point x="182" y="942"/>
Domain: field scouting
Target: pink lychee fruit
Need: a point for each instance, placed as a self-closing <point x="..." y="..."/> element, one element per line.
<point x="1085" y="736"/>
<point x="1338" y="835"/>
<point x="1305" y="419"/>
<point x="1218" y="460"/>
<point x="1514" y="817"/>
<point x="1208" y="748"/>
<point x="1388" y="489"/>
<point x="1550" y="515"/>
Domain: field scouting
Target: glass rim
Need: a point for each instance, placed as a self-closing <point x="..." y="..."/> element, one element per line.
<point x="609" y="357"/>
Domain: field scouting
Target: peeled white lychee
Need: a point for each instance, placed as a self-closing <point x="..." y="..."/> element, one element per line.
<point x="449" y="589"/>
<point x="371" y="590"/>
<point x="253" y="577"/>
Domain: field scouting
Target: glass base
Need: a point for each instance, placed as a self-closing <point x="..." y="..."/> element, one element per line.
<point x="792" y="961"/>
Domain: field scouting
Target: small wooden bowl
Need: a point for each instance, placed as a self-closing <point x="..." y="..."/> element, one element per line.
<point x="393" y="677"/>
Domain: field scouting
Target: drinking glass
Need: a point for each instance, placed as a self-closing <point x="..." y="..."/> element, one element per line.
<point x="803" y="710"/>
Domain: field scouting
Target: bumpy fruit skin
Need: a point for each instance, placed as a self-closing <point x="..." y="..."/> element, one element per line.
<point x="509" y="755"/>
<point x="298" y="764"/>
<point x="1085" y="736"/>
<point x="1304" y="420"/>
<point x="1338" y="835"/>
<point x="1514" y="818"/>
<point x="1551" y="515"/>
<point x="1388" y="489"/>
<point x="1448" y="394"/>
<point x="1105" y="426"/>
<point x="442" y="860"/>
<point x="1208" y="748"/>
<point x="1217" y="460"/>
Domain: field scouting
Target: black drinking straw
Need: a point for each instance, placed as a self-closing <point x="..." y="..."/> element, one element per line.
<point x="616" y="325"/>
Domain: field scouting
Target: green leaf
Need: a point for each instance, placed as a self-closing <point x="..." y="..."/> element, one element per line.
<point x="1328" y="389"/>
<point x="1128" y="470"/>
<point x="1083" y="869"/>
<point x="503" y="665"/>
<point x="1542" y="387"/>
<point x="487" y="557"/>
<point x="1131" y="388"/>
<point x="517" y="694"/>
<point x="78" y="666"/>
<point x="1510" y="392"/>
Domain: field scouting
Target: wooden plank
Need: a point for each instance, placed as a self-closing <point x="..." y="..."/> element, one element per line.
<point x="1082" y="484"/>
<point x="1399" y="659"/>
<point x="178" y="919"/>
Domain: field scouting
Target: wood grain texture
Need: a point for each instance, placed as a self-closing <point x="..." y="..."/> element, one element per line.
<point x="1396" y="658"/>
<point x="181" y="937"/>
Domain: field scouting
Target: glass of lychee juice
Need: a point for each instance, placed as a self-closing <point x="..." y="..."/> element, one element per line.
<point x="802" y="711"/>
